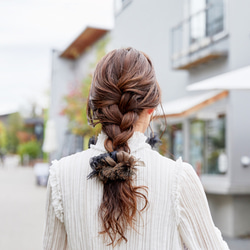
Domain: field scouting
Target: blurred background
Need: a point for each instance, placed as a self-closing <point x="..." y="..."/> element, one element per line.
<point x="48" y="52"/>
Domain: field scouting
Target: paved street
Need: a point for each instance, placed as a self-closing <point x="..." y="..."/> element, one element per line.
<point x="21" y="208"/>
<point x="22" y="211"/>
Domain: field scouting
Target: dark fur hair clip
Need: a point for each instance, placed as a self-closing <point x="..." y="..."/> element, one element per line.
<point x="96" y="163"/>
<point x="153" y="140"/>
<point x="92" y="140"/>
<point x="114" y="166"/>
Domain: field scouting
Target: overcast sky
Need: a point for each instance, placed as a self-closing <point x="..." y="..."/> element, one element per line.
<point x="29" y="29"/>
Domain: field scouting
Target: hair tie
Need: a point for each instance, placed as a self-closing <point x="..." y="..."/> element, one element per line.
<point x="114" y="166"/>
<point x="113" y="155"/>
<point x="153" y="140"/>
<point x="92" y="141"/>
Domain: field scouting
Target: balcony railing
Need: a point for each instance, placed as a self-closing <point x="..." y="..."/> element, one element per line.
<point x="197" y="32"/>
<point x="120" y="5"/>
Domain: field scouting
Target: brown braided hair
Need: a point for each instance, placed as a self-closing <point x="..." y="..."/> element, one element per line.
<point x="124" y="84"/>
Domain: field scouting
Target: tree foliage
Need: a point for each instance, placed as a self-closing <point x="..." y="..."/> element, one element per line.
<point x="14" y="125"/>
<point x="30" y="148"/>
<point x="3" y="136"/>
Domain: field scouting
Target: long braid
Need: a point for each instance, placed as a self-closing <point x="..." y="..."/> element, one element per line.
<point x="124" y="85"/>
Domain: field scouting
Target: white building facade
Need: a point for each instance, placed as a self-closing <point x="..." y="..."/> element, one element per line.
<point x="190" y="41"/>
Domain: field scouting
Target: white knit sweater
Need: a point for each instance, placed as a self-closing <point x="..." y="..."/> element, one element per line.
<point x="178" y="211"/>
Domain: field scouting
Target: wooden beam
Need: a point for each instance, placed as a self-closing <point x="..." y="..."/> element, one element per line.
<point x="196" y="107"/>
<point x="201" y="60"/>
<point x="87" y="38"/>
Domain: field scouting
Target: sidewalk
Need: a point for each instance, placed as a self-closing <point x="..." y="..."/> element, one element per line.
<point x="238" y="244"/>
<point x="22" y="210"/>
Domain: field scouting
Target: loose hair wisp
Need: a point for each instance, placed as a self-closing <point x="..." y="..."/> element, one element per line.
<point x="124" y="84"/>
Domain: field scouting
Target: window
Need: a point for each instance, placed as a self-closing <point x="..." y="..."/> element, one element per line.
<point x="172" y="141"/>
<point x="206" y="18"/>
<point x="207" y="145"/>
<point x="215" y="145"/>
<point x="176" y="140"/>
<point x="215" y="18"/>
<point x="197" y="20"/>
<point x="197" y="142"/>
<point x="196" y="36"/>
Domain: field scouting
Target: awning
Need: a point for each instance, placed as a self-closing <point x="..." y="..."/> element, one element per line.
<point x="233" y="80"/>
<point x="187" y="105"/>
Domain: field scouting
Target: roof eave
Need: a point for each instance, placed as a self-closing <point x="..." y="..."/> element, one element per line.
<point x="85" y="40"/>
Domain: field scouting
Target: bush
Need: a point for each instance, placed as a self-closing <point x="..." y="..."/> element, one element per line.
<point x="3" y="136"/>
<point x="31" y="148"/>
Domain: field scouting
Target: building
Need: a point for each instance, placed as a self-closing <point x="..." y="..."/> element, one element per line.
<point x="193" y="44"/>
<point x="197" y="47"/>
<point x="69" y="68"/>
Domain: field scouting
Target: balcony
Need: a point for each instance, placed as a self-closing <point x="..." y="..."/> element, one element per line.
<point x="200" y="38"/>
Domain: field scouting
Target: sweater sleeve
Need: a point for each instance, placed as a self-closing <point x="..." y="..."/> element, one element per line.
<point x="55" y="236"/>
<point x="196" y="226"/>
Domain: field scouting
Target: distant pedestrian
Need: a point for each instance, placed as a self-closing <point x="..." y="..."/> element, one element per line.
<point x="2" y="156"/>
<point x="120" y="193"/>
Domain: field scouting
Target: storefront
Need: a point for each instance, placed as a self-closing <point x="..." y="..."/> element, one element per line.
<point x="196" y="130"/>
<point x="210" y="129"/>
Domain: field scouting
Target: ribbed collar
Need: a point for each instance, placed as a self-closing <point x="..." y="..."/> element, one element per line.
<point x="136" y="142"/>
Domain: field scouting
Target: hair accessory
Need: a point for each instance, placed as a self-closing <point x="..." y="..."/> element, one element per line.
<point x="113" y="155"/>
<point x="153" y="140"/>
<point x="113" y="166"/>
<point x="92" y="140"/>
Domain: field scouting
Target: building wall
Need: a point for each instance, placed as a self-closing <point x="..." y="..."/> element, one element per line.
<point x="230" y="212"/>
<point x="221" y="207"/>
<point x="235" y="209"/>
<point x="241" y="215"/>
<point x="238" y="130"/>
<point x="237" y="16"/>
<point x="146" y="25"/>
<point x="239" y="138"/>
<point x="239" y="33"/>
<point x="62" y="76"/>
<point x="66" y="75"/>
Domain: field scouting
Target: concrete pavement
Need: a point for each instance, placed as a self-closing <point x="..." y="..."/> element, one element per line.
<point x="22" y="208"/>
<point x="238" y="244"/>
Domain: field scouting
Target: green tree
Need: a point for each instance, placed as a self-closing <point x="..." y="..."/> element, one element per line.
<point x="3" y="136"/>
<point x="14" y="125"/>
<point x="31" y="148"/>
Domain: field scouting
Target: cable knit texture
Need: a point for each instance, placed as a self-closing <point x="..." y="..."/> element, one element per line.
<point x="178" y="211"/>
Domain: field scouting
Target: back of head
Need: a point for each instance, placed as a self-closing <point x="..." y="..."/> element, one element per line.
<point x="124" y="84"/>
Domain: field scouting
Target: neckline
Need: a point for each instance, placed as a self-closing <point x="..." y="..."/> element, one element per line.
<point x="135" y="142"/>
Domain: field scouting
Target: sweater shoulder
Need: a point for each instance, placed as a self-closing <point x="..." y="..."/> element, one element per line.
<point x="164" y="162"/>
<point x="76" y="156"/>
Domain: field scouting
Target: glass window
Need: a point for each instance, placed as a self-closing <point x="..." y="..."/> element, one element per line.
<point x="197" y="142"/>
<point x="172" y="141"/>
<point x="215" y="17"/>
<point x="177" y="140"/>
<point x="215" y="144"/>
<point x="206" y="18"/>
<point x="198" y="20"/>
<point x="207" y="146"/>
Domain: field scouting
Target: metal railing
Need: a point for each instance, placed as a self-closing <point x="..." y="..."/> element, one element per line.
<point x="198" y="30"/>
